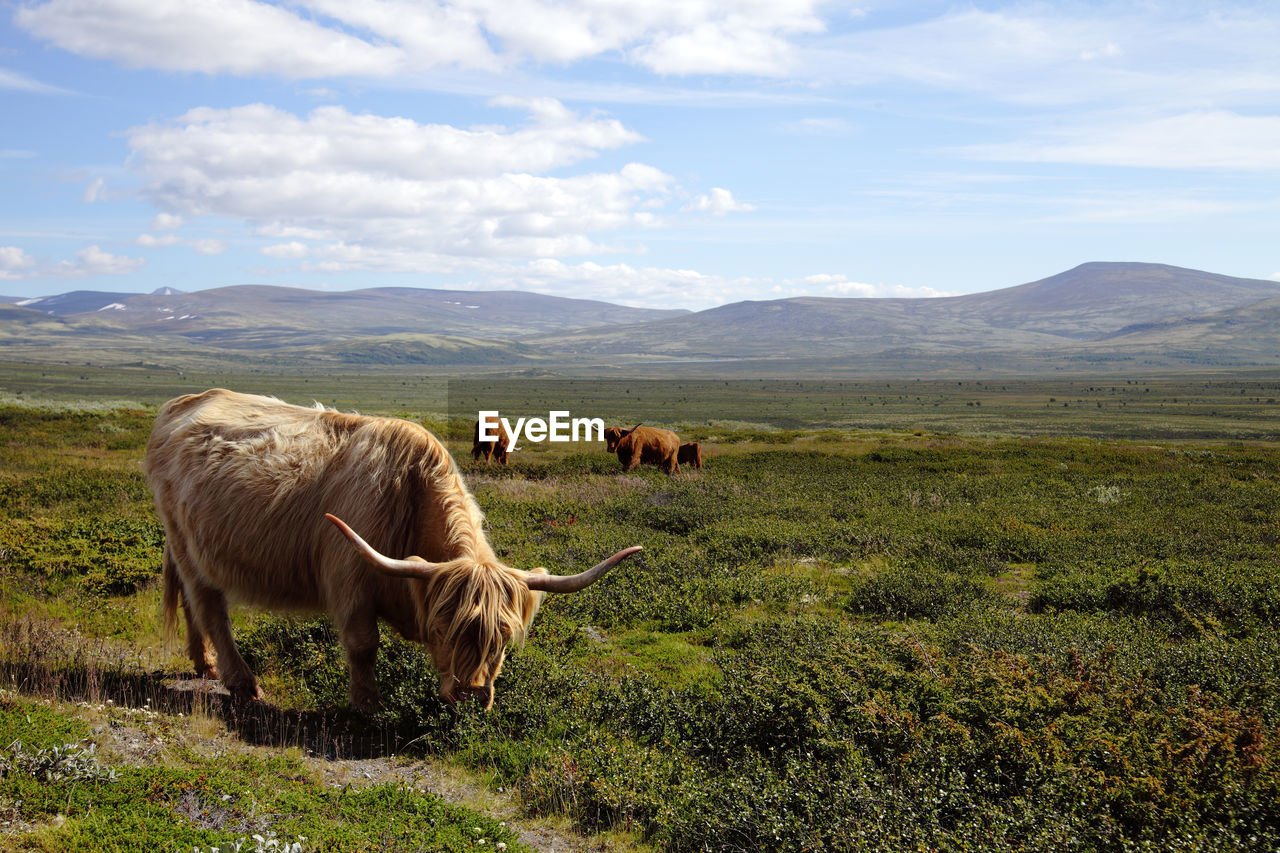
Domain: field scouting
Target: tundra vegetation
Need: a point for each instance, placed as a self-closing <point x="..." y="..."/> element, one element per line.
<point x="835" y="638"/>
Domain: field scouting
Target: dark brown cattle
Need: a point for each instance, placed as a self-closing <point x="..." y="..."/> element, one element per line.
<point x="495" y="450"/>
<point x="244" y="485"/>
<point x="649" y="446"/>
<point x="690" y="453"/>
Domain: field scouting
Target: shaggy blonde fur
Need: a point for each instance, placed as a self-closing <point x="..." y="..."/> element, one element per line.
<point x="242" y="484"/>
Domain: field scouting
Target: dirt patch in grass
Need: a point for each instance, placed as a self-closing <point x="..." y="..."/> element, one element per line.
<point x="1015" y="582"/>
<point x="145" y="720"/>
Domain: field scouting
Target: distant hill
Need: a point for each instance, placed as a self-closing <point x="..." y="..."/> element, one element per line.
<point x="1083" y="304"/>
<point x="1251" y="331"/>
<point x="230" y="316"/>
<point x="1096" y="316"/>
<point x="75" y="302"/>
<point x="1098" y="298"/>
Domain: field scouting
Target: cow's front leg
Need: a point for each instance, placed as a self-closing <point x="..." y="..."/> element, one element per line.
<point x="360" y="639"/>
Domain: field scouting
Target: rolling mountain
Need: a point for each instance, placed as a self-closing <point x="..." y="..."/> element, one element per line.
<point x="1082" y="304"/>
<point x="1096" y="298"/>
<point x="1097" y="313"/>
<point x="252" y="314"/>
<point x="1251" y="328"/>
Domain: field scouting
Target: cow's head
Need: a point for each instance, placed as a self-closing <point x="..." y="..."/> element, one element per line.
<point x="468" y="612"/>
<point x="613" y="437"/>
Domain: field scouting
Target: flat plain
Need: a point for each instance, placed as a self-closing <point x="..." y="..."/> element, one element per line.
<point x="968" y="614"/>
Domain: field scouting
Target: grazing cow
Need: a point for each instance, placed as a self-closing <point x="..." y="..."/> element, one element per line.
<point x="690" y="453"/>
<point x="648" y="445"/>
<point x="491" y="449"/>
<point x="244" y="484"/>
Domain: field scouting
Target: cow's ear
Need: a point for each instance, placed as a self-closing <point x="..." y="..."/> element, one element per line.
<point x="533" y="602"/>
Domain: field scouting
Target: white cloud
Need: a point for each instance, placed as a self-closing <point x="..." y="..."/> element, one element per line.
<point x="1157" y="55"/>
<point x="840" y="285"/>
<point x="744" y="38"/>
<point x="292" y="250"/>
<point x="996" y="52"/>
<point x="657" y="287"/>
<point x="178" y="35"/>
<point x="829" y="284"/>
<point x="666" y="36"/>
<point x="820" y="126"/>
<point x="1146" y="207"/>
<point x="15" y="81"/>
<point x="209" y="246"/>
<point x="1109" y="50"/>
<point x="203" y="246"/>
<point x="719" y="202"/>
<point x="1148" y="55"/>
<point x="15" y="264"/>
<point x="362" y="143"/>
<point x="1215" y="139"/>
<point x="327" y="38"/>
<point x="152" y="241"/>
<point x="623" y="284"/>
<point x="372" y="192"/>
<point x="166" y="222"/>
<point x="93" y="192"/>
<point x="92" y="261"/>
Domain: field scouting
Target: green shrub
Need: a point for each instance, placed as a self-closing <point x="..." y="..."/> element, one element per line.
<point x="916" y="592"/>
<point x="102" y="555"/>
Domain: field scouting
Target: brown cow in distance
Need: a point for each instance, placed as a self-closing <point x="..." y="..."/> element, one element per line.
<point x="647" y="445"/>
<point x="251" y="492"/>
<point x="495" y="450"/>
<point x="690" y="453"/>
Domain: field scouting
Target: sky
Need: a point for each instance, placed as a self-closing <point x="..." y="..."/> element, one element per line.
<point x="666" y="153"/>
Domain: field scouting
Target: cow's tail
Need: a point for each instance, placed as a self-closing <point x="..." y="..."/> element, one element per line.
<point x="172" y="591"/>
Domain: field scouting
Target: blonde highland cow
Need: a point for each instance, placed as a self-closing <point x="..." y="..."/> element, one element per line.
<point x="256" y="496"/>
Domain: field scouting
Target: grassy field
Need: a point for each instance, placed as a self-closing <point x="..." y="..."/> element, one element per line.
<point x="1243" y="405"/>
<point x="899" y="623"/>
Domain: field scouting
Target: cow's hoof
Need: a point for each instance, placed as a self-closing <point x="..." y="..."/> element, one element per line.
<point x="245" y="692"/>
<point x="366" y="701"/>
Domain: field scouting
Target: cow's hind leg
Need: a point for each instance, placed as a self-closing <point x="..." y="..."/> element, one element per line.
<point x="197" y="646"/>
<point x="359" y="634"/>
<point x="207" y="607"/>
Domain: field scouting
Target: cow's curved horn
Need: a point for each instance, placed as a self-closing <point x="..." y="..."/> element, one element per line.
<point x="412" y="568"/>
<point x="634" y="428"/>
<point x="582" y="580"/>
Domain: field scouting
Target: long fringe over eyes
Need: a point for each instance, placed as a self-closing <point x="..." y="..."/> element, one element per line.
<point x="474" y="610"/>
